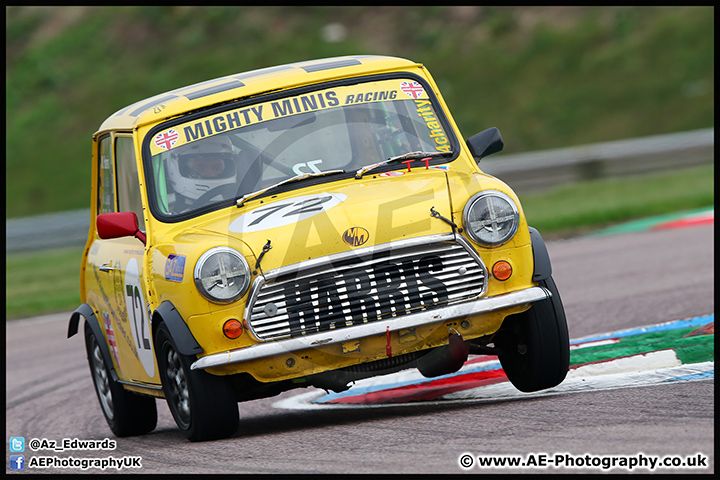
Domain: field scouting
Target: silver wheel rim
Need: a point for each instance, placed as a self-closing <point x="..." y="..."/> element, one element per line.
<point x="177" y="383"/>
<point x="102" y="381"/>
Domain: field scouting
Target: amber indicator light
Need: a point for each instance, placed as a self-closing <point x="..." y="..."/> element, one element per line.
<point x="502" y="270"/>
<point x="232" y="328"/>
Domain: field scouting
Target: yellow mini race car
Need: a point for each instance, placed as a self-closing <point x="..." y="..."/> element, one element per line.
<point x="309" y="224"/>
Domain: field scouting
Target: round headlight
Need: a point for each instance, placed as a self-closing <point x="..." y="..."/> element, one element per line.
<point x="222" y="275"/>
<point x="491" y="218"/>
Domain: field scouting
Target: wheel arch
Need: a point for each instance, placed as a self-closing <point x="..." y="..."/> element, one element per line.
<point x="167" y="313"/>
<point x="91" y="321"/>
<point x="542" y="268"/>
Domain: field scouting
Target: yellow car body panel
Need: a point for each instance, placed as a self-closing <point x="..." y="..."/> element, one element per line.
<point x="126" y="281"/>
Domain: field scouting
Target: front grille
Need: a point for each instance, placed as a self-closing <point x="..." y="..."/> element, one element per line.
<point x="367" y="285"/>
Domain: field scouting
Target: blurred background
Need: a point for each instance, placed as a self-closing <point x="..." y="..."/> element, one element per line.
<point x="547" y="77"/>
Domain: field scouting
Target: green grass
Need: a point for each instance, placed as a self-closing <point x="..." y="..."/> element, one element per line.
<point x="595" y="204"/>
<point x="547" y="77"/>
<point x="42" y="282"/>
<point x="48" y="281"/>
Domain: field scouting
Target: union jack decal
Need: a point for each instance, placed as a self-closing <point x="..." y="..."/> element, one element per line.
<point x="166" y="140"/>
<point x="412" y="89"/>
<point x="112" y="343"/>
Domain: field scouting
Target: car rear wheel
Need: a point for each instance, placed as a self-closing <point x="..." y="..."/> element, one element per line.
<point x="127" y="414"/>
<point x="534" y="345"/>
<point x="203" y="405"/>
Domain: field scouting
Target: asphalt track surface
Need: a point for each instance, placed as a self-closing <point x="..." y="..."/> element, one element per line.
<point x="606" y="283"/>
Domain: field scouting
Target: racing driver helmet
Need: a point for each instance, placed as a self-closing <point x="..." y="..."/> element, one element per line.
<point x="199" y="167"/>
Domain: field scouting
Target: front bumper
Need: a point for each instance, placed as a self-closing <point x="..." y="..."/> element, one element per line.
<point x="474" y="307"/>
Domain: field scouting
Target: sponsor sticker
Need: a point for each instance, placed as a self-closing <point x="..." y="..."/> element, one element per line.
<point x="175" y="268"/>
<point x="391" y="174"/>
<point x="426" y="112"/>
<point x="244" y="116"/>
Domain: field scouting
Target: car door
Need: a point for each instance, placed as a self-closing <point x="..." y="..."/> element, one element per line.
<point x="115" y="266"/>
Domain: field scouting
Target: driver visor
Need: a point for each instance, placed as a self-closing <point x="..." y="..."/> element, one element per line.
<point x="207" y="165"/>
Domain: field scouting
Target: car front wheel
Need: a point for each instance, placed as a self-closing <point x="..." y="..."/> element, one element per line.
<point x="203" y="405"/>
<point x="534" y="345"/>
<point x="127" y="414"/>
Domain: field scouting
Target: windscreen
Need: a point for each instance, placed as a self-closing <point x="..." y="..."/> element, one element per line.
<point x="223" y="156"/>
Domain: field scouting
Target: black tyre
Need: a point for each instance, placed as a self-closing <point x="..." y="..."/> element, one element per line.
<point x="203" y="405"/>
<point x="127" y="414"/>
<point x="534" y="345"/>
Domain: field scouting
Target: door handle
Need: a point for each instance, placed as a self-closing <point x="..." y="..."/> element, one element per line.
<point x="106" y="267"/>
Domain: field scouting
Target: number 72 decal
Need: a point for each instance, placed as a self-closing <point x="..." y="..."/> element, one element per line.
<point x="285" y="212"/>
<point x="138" y="318"/>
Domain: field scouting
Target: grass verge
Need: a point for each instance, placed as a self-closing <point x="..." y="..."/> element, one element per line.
<point x="42" y="282"/>
<point x="585" y="206"/>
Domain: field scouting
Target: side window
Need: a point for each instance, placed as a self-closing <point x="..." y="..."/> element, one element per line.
<point x="128" y="183"/>
<point x="106" y="174"/>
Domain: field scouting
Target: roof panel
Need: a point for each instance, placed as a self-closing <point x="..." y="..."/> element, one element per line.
<point x="223" y="87"/>
<point x="330" y="65"/>
<point x="192" y="97"/>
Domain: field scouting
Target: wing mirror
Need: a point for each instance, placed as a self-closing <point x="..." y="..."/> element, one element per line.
<point x="485" y="143"/>
<point x="118" y="225"/>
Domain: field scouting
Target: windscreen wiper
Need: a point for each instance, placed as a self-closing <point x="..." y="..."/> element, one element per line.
<point x="296" y="178"/>
<point x="400" y="158"/>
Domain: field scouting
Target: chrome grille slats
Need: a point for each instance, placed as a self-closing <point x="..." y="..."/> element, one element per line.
<point x="344" y="300"/>
<point x="340" y="308"/>
<point x="343" y="265"/>
<point x="278" y="289"/>
<point x="366" y="285"/>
